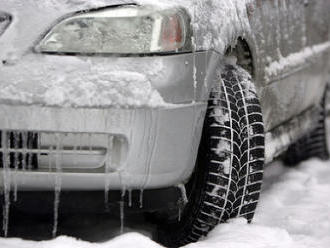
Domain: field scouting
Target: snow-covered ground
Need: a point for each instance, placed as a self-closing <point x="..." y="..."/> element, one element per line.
<point x="294" y="211"/>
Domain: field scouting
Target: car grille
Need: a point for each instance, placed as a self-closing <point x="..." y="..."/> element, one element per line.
<point x="26" y="150"/>
<point x="18" y="149"/>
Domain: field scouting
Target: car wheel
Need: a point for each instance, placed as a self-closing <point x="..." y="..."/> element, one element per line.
<point x="315" y="143"/>
<point x="229" y="170"/>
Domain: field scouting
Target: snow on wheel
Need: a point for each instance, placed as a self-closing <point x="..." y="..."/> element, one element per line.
<point x="317" y="142"/>
<point x="228" y="176"/>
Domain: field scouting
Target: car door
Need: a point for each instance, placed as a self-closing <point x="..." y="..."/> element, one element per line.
<point x="317" y="44"/>
<point x="282" y="34"/>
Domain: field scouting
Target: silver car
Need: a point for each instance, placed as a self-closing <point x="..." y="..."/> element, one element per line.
<point x="176" y="106"/>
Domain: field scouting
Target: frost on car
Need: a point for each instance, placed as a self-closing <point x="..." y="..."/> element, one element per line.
<point x="176" y="106"/>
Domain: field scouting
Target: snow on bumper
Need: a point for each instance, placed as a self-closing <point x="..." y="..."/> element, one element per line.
<point x="141" y="111"/>
<point x="160" y="144"/>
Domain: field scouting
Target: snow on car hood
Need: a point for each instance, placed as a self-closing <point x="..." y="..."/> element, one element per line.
<point x="78" y="89"/>
<point x="73" y="81"/>
<point x="32" y="18"/>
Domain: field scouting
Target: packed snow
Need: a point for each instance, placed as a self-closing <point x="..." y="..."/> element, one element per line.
<point x="294" y="212"/>
<point x="127" y="240"/>
<point x="95" y="87"/>
<point x="295" y="60"/>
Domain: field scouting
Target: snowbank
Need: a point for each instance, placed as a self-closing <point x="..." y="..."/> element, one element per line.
<point x="125" y="241"/>
<point x="294" y="212"/>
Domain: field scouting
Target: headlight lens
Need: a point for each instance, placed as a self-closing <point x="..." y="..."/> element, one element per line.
<point x="121" y="30"/>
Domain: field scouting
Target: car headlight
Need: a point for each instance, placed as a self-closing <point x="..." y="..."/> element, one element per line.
<point x="120" y="30"/>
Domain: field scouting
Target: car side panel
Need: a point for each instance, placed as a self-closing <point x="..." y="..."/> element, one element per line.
<point x="291" y="74"/>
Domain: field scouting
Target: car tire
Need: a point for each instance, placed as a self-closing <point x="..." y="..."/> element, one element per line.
<point x="315" y="143"/>
<point x="227" y="179"/>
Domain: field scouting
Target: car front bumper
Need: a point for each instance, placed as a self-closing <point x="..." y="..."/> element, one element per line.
<point x="160" y="145"/>
<point x="151" y="147"/>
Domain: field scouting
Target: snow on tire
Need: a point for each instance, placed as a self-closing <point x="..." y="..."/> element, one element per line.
<point x="229" y="170"/>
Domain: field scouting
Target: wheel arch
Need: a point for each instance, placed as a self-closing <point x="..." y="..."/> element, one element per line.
<point x="242" y="47"/>
<point x="242" y="50"/>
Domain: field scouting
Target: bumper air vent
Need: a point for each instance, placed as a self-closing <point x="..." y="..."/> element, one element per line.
<point x="72" y="152"/>
<point x="15" y="150"/>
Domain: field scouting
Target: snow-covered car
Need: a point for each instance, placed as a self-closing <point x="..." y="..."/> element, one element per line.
<point x="178" y="106"/>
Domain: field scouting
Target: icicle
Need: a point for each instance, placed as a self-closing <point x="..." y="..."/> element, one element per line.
<point x="38" y="154"/>
<point x="141" y="198"/>
<point x="206" y="74"/>
<point x="123" y="192"/>
<point x="75" y="149"/>
<point x="121" y="182"/>
<point x="56" y="206"/>
<point x="90" y="145"/>
<point x="184" y="199"/>
<point x="183" y="193"/>
<point x="150" y="146"/>
<point x="6" y="182"/>
<point x="50" y="157"/>
<point x="151" y="143"/>
<point x="16" y="146"/>
<point x="193" y="43"/>
<point x="29" y="154"/>
<point x="107" y="172"/>
<point x="122" y="216"/>
<point x="106" y="201"/>
<point x="130" y="198"/>
<point x="24" y="145"/>
<point x="81" y="141"/>
<point x="194" y="68"/>
<point x="58" y="182"/>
